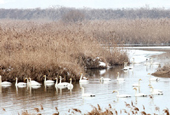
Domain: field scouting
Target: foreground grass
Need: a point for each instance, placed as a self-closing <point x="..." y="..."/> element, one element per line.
<point x="128" y="110"/>
<point x="32" y="49"/>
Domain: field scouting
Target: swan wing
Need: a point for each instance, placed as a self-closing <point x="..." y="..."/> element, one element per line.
<point x="141" y="95"/>
<point x="6" y="83"/>
<point x="107" y="79"/>
<point x="21" y="84"/>
<point x="124" y="96"/>
<point x="120" y="79"/>
<point x="88" y="95"/>
<point x="135" y="85"/>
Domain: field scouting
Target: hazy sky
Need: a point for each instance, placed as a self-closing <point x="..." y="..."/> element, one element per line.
<point x="114" y="4"/>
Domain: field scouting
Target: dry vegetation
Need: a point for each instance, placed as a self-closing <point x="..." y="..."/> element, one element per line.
<point x="32" y="48"/>
<point x="137" y="31"/>
<point x="128" y="110"/>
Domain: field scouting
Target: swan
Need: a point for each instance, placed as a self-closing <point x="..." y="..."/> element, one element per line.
<point x="131" y="67"/>
<point x="83" y="79"/>
<point x="147" y="62"/>
<point x="48" y="82"/>
<point x="153" y="79"/>
<point x="133" y="62"/>
<point x="119" y="79"/>
<point x="61" y="84"/>
<point x="28" y="81"/>
<point x="153" y="63"/>
<point x="121" y="96"/>
<point x="4" y="83"/>
<point x="138" y="84"/>
<point x="70" y="85"/>
<point x="104" y="79"/>
<point x="125" y="66"/>
<point x="20" y="84"/>
<point x="156" y="92"/>
<point x="139" y="94"/>
<point x="87" y="94"/>
<point x="33" y="83"/>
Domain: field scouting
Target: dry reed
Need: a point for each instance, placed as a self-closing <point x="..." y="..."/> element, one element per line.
<point x="32" y="49"/>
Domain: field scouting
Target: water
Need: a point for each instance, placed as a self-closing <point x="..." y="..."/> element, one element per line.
<point x="16" y="100"/>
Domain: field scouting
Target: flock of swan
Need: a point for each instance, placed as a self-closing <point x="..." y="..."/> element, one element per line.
<point x="137" y="86"/>
<point x="35" y="84"/>
<point x="83" y="79"/>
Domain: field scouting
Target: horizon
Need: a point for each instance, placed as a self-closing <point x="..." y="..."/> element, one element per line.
<point x="79" y="4"/>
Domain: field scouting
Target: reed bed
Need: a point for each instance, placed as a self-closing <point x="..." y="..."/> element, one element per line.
<point x="130" y="108"/>
<point x="132" y="31"/>
<point x="32" y="49"/>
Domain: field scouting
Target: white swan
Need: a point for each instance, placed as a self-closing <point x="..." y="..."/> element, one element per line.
<point x="83" y="79"/>
<point x="119" y="79"/>
<point x="156" y="92"/>
<point x="137" y="84"/>
<point x="139" y="94"/>
<point x="87" y="94"/>
<point x="153" y="63"/>
<point x="133" y="62"/>
<point x="104" y="79"/>
<point x="147" y="62"/>
<point x="125" y="66"/>
<point x="153" y="79"/>
<point x="130" y="67"/>
<point x="20" y="84"/>
<point x="4" y="83"/>
<point x="121" y="96"/>
<point x="70" y="85"/>
<point x="34" y="83"/>
<point x="61" y="84"/>
<point x="58" y="86"/>
<point x="48" y="82"/>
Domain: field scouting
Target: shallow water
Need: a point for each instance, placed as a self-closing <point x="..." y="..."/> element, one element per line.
<point x="16" y="100"/>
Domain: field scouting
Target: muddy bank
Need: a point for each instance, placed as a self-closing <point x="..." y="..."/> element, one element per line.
<point x="162" y="74"/>
<point x="164" y="69"/>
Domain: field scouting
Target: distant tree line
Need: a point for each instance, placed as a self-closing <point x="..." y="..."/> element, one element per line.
<point x="73" y="14"/>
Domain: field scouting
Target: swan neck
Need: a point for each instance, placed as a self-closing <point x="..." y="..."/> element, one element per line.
<point x="45" y="78"/>
<point x="117" y="92"/>
<point x="139" y="83"/>
<point x="135" y="92"/>
<point x="30" y="81"/>
<point x="60" y="79"/>
<point x="118" y="75"/>
<point x="56" y="83"/>
<point x="16" y="81"/>
<point x="81" y="76"/>
<point x="152" y="90"/>
<point x="82" y="90"/>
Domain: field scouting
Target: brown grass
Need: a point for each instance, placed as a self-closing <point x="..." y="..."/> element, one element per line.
<point x="32" y="49"/>
<point x="137" y="31"/>
<point x="108" y="111"/>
